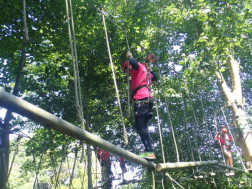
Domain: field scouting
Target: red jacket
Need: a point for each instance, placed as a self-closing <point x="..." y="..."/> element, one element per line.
<point x="225" y="140"/>
<point x="140" y="78"/>
<point x="104" y="156"/>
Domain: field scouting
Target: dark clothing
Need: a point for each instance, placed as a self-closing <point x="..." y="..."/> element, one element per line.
<point x="142" y="115"/>
<point x="122" y="165"/>
<point x="109" y="169"/>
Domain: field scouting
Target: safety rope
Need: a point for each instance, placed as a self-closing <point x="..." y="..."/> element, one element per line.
<point x="162" y="182"/>
<point x="216" y="125"/>
<point x="60" y="167"/>
<point x="189" y="143"/>
<point x="198" y="171"/>
<point x="153" y="180"/>
<point x="84" y="172"/>
<point x="69" y="172"/>
<point x="186" y="124"/>
<point x="128" y="81"/>
<point x="160" y="131"/>
<point x="51" y="155"/>
<point x="194" y="115"/>
<point x="172" y="180"/>
<point x="72" y="42"/>
<point x="37" y="169"/>
<point x="73" y="48"/>
<point x="74" y="164"/>
<point x="168" y="112"/>
<point x="115" y="83"/>
<point x="206" y="127"/>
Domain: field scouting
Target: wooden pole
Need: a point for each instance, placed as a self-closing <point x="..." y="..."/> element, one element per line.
<point x="45" y="118"/>
<point x="178" y="165"/>
<point x="232" y="168"/>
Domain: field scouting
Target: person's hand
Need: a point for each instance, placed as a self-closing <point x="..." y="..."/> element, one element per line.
<point x="129" y="54"/>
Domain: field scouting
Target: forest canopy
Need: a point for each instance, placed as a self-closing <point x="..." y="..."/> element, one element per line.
<point x="54" y="55"/>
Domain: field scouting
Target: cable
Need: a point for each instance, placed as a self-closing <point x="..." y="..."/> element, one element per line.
<point x="160" y="131"/>
<point x="39" y="164"/>
<point x="115" y="83"/>
<point x="168" y="113"/>
<point x="194" y="115"/>
<point x="72" y="42"/>
<point x="206" y="128"/>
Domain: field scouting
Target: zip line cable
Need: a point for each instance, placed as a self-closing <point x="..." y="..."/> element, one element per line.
<point x="115" y="83"/>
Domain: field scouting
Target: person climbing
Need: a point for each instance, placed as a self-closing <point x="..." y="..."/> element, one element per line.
<point x="104" y="158"/>
<point x="122" y="165"/>
<point x="141" y="79"/>
<point x="225" y="141"/>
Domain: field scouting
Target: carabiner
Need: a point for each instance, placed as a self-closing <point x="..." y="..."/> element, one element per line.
<point x="151" y="58"/>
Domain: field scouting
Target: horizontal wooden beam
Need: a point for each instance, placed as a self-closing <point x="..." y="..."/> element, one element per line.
<point x="45" y="118"/>
<point x="232" y="168"/>
<point x="178" y="165"/>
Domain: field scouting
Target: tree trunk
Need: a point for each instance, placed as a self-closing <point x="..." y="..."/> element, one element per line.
<point x="5" y="143"/>
<point x="89" y="152"/>
<point x="234" y="99"/>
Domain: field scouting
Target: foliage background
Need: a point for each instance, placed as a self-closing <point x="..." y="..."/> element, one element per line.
<point x="189" y="39"/>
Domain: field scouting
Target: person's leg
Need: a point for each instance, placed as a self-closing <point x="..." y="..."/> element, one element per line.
<point x="227" y="156"/>
<point x="228" y="162"/>
<point x="110" y="173"/>
<point x="230" y="159"/>
<point x="140" y="122"/>
<point x="142" y="116"/>
<point x="148" y="137"/>
<point x="149" y="116"/>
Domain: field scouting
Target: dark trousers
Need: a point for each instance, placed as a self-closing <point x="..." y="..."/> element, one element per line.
<point x="143" y="113"/>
